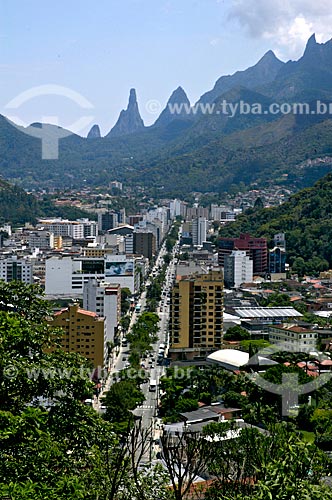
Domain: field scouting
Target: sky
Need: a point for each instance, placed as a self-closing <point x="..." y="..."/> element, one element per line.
<point x="73" y="62"/>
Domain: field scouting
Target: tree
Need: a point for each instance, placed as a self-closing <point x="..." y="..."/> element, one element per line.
<point x="185" y="458"/>
<point x="125" y="322"/>
<point x="236" y="333"/>
<point x="125" y="296"/>
<point x="167" y="258"/>
<point x="120" y="400"/>
<point x="258" y="205"/>
<point x="55" y="453"/>
<point x="271" y="465"/>
<point x="144" y="332"/>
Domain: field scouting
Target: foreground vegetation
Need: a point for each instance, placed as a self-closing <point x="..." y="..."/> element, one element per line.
<point x="69" y="452"/>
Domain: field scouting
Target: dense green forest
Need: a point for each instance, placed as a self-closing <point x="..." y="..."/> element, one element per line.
<point x="306" y="219"/>
<point x="208" y="156"/>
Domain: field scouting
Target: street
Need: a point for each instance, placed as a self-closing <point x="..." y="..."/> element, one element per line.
<point x="148" y="411"/>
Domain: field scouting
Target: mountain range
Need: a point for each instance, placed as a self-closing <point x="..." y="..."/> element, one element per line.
<point x="201" y="147"/>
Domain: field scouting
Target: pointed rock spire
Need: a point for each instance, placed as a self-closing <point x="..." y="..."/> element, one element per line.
<point x="317" y="54"/>
<point x="312" y="42"/>
<point x="130" y="120"/>
<point x="94" y="132"/>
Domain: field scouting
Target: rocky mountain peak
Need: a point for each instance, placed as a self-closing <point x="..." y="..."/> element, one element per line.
<point x="178" y="100"/>
<point x="94" y="132"/>
<point x="130" y="120"/>
<point x="262" y="73"/>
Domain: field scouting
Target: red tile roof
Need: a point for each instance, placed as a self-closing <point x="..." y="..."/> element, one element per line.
<point x="326" y="362"/>
<point x="87" y="313"/>
<point x="79" y="310"/>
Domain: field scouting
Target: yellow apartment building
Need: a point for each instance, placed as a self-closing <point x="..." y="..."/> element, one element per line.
<point x="85" y="333"/>
<point x="196" y="316"/>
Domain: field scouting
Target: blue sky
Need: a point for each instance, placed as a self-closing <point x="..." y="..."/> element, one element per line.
<point x="102" y="49"/>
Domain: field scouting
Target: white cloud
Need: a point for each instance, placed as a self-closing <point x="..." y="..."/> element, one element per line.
<point x="288" y="24"/>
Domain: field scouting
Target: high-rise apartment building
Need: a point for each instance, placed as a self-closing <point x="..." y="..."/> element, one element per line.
<point x="41" y="239"/>
<point x="14" y="269"/>
<point x="238" y="269"/>
<point x="277" y="260"/>
<point x="84" y="333"/>
<point x="66" y="275"/>
<point x="199" y="231"/>
<point x="79" y="229"/>
<point x="196" y="317"/>
<point x="105" y="300"/>
<point x="256" y="249"/>
<point x="144" y="244"/>
<point x="107" y="220"/>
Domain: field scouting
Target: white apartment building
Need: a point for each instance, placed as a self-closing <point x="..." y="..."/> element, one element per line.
<point x="67" y="275"/>
<point x="105" y="300"/>
<point x="90" y="228"/>
<point x="7" y="228"/>
<point x="128" y="243"/>
<point x="14" y="269"/>
<point x="216" y="211"/>
<point x="199" y="231"/>
<point x="175" y="208"/>
<point x="238" y="269"/>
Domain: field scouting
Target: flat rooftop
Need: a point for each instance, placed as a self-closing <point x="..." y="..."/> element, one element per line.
<point x="266" y="312"/>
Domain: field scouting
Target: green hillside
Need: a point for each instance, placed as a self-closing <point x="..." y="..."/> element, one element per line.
<point x="306" y="219"/>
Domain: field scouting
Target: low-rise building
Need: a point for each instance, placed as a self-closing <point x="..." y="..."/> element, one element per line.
<point x="293" y="338"/>
<point x="43" y="240"/>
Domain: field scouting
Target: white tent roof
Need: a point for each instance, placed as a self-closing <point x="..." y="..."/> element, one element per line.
<point x="230" y="359"/>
